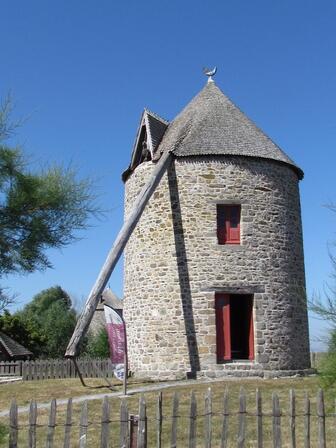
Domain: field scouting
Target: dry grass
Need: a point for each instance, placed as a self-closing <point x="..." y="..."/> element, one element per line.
<point x="45" y="390"/>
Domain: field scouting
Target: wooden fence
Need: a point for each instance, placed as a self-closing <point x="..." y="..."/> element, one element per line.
<point x="202" y="425"/>
<point x="57" y="368"/>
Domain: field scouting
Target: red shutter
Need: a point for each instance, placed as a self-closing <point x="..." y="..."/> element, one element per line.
<point x="223" y="327"/>
<point x="251" y="332"/>
<point x="228" y="224"/>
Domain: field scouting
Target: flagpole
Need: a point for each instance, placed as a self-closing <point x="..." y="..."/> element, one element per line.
<point x="125" y="360"/>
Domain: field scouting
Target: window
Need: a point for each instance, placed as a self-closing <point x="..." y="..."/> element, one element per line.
<point x="228" y="224"/>
<point x="234" y="327"/>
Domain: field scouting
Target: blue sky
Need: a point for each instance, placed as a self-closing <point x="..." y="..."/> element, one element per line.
<point x="84" y="70"/>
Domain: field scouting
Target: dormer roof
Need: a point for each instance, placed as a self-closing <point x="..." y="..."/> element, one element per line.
<point x="148" y="137"/>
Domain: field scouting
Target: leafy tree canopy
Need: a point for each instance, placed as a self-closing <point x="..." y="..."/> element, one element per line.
<point x="44" y="325"/>
<point x="37" y="210"/>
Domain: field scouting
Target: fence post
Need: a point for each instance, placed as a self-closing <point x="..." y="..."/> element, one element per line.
<point x="225" y="426"/>
<point x="51" y="425"/>
<point x="207" y="419"/>
<point x="321" y="419"/>
<point x="105" y="424"/>
<point x="159" y="420"/>
<point x="83" y="425"/>
<point x="306" y="421"/>
<point x="276" y="421"/>
<point x="124" y="433"/>
<point x="292" y="418"/>
<point x="142" y="427"/>
<point x="259" y="419"/>
<point x="32" y="424"/>
<point x="192" y="423"/>
<point x="241" y="419"/>
<point x="67" y="426"/>
<point x="13" y="425"/>
<point x="174" y="421"/>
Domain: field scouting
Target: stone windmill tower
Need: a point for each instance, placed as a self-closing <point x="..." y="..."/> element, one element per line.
<point x="214" y="278"/>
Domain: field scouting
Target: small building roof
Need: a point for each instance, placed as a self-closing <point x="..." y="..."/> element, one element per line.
<point x="11" y="347"/>
<point x="212" y="125"/>
<point x="110" y="299"/>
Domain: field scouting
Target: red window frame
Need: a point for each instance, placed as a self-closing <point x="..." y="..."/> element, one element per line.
<point x="228" y="224"/>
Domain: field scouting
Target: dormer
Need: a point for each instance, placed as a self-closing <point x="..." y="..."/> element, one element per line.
<point x="149" y="134"/>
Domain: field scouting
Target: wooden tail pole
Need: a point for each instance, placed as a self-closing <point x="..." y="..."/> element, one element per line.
<point x="114" y="254"/>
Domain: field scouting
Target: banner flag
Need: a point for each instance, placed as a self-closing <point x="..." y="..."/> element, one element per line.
<point x="116" y="335"/>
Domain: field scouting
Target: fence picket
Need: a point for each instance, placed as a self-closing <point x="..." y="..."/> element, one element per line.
<point x="67" y="425"/>
<point x="207" y="419"/>
<point x="192" y="422"/>
<point x="105" y="424"/>
<point x="225" y="426"/>
<point x="259" y="419"/>
<point x="321" y="420"/>
<point x="241" y="419"/>
<point x="83" y="425"/>
<point x="306" y="421"/>
<point x="13" y="425"/>
<point x="142" y="426"/>
<point x="276" y="421"/>
<point x="292" y="418"/>
<point x="32" y="424"/>
<point x="124" y="433"/>
<point x="173" y="439"/>
<point x="51" y="424"/>
<point x="159" y="420"/>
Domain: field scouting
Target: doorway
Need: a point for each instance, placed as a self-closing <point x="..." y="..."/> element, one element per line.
<point x="234" y="327"/>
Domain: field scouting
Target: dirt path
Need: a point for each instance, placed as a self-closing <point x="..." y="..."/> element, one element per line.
<point x="137" y="390"/>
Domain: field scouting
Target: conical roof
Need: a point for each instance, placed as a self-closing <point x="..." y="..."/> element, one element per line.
<point x="212" y="125"/>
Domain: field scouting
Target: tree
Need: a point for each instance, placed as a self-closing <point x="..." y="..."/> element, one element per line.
<point x="44" y="325"/>
<point x="97" y="346"/>
<point x="325" y="308"/>
<point x="37" y="210"/>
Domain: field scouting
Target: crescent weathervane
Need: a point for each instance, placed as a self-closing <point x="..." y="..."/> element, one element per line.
<point x="210" y="73"/>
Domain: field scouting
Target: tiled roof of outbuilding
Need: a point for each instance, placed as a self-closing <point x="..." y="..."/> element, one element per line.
<point x="12" y="347"/>
<point x="212" y="125"/>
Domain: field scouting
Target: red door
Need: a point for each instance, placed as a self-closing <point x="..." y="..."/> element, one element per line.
<point x="223" y="327"/>
<point x="234" y="327"/>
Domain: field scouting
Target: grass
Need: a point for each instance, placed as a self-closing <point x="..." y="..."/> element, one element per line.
<point x="44" y="391"/>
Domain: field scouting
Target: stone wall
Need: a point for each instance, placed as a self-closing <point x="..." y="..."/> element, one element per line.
<point x="174" y="266"/>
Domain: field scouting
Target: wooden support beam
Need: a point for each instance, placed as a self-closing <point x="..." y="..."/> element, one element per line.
<point x="115" y="253"/>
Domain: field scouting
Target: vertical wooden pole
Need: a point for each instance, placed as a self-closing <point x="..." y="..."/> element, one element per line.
<point x="292" y="418"/>
<point x="259" y="419"/>
<point x="124" y="432"/>
<point x="174" y="421"/>
<point x="13" y="425"/>
<point x="321" y="420"/>
<point x="142" y="427"/>
<point x="32" y="424"/>
<point x="105" y="424"/>
<point x="241" y="419"/>
<point x="225" y="426"/>
<point x="159" y="420"/>
<point x="207" y="419"/>
<point x="276" y="421"/>
<point x="51" y="424"/>
<point x="192" y="423"/>
<point x="306" y="421"/>
<point x="125" y="360"/>
<point x="68" y="424"/>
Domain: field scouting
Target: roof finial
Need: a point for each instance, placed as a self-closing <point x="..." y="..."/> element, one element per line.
<point x="210" y="73"/>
